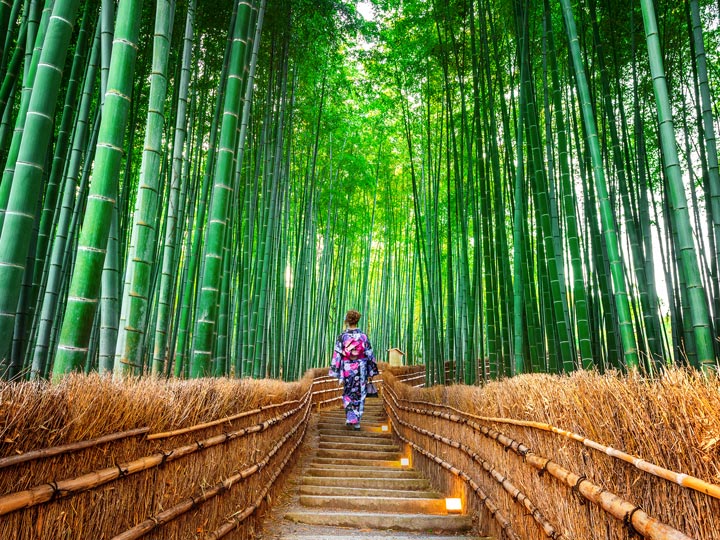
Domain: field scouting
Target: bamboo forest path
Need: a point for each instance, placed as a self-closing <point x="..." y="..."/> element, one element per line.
<point x="351" y="484"/>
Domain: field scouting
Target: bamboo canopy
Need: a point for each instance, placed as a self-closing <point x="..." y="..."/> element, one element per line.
<point x="513" y="193"/>
<point x="222" y="184"/>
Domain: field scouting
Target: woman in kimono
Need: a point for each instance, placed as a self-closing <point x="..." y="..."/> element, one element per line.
<point x="353" y="362"/>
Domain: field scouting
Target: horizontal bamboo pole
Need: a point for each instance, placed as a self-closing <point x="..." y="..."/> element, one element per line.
<point x="328" y="400"/>
<point x="684" y="480"/>
<point x="323" y="379"/>
<point x="158" y="520"/>
<point x="617" y="507"/>
<point x="515" y="493"/>
<point x="489" y="504"/>
<point x="227" y="419"/>
<point x="43" y="453"/>
<point x="62" y="488"/>
<point x="411" y="378"/>
<point x="336" y="389"/>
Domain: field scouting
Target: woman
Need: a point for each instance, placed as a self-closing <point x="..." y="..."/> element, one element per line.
<point x="353" y="362"/>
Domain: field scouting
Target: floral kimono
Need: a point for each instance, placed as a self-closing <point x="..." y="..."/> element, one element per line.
<point x="353" y="372"/>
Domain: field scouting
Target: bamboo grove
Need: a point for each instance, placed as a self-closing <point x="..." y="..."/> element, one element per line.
<point x="204" y="188"/>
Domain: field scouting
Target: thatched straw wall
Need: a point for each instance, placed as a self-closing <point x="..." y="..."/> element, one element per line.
<point x="40" y="415"/>
<point x="672" y="422"/>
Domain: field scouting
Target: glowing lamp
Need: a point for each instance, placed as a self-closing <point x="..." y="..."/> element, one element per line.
<point x="453" y="506"/>
<point x="384" y="428"/>
<point x="404" y="462"/>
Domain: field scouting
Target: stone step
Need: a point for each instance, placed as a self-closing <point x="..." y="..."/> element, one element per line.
<point x="341" y="430"/>
<point x="383" y="520"/>
<point x="388" y="455"/>
<point x="355" y="439"/>
<point x="355" y="461"/>
<point x="340" y="415"/>
<point x="377" y="492"/>
<point x="371" y="405"/>
<point x="383" y="536"/>
<point x="398" y="505"/>
<point x="324" y="423"/>
<point x="376" y="423"/>
<point x="369" y="409"/>
<point x="360" y="446"/>
<point x="343" y="471"/>
<point x="367" y="482"/>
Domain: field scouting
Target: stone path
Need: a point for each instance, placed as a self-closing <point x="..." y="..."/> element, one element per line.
<point x="350" y="484"/>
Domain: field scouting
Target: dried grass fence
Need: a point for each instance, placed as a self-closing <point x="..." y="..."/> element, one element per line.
<point x="583" y="456"/>
<point x="146" y="458"/>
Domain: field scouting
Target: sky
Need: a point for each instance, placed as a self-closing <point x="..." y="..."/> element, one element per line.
<point x="365" y="9"/>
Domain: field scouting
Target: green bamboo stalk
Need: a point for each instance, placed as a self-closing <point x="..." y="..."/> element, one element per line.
<point x="64" y="138"/>
<point x="141" y="256"/>
<point x="35" y="36"/>
<point x="606" y="211"/>
<point x="710" y="139"/>
<point x="110" y="285"/>
<point x="215" y="232"/>
<point x="85" y="283"/>
<point x="699" y="313"/>
<point x="6" y="7"/>
<point x="167" y="281"/>
<point x="10" y="79"/>
<point x="27" y="178"/>
<point x="569" y="204"/>
<point x="36" y="29"/>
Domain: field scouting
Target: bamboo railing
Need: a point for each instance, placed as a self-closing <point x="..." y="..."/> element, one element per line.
<point x="53" y="451"/>
<point x="681" y="479"/>
<point x="225" y="485"/>
<point x="276" y="430"/>
<point x="411" y="417"/>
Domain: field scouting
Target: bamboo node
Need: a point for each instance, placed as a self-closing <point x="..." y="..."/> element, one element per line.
<point x="56" y="493"/>
<point x="576" y="489"/>
<point x="165" y="456"/>
<point x="627" y="521"/>
<point x="122" y="472"/>
<point x="543" y="469"/>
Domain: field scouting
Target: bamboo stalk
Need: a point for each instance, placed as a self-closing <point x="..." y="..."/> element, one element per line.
<point x="71" y="447"/>
<point x="62" y="488"/>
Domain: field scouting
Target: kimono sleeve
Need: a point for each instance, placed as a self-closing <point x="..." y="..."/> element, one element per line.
<point x="336" y="362"/>
<point x="370" y="356"/>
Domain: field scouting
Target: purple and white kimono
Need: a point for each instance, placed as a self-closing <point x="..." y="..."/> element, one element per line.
<point x="354" y="373"/>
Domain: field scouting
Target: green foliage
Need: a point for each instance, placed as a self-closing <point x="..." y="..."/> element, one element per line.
<point x="378" y="170"/>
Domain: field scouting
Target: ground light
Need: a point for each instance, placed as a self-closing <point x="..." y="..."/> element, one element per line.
<point x="384" y="428"/>
<point x="404" y="462"/>
<point x="453" y="505"/>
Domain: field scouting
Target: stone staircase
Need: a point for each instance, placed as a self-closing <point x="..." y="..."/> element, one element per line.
<point x="355" y="480"/>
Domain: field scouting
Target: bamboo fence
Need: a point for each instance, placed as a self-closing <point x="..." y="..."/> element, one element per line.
<point x="148" y="458"/>
<point x="514" y="451"/>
